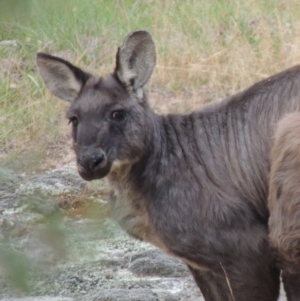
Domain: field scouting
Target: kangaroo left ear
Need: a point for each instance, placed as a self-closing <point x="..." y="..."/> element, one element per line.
<point x="136" y="60"/>
<point x="62" y="78"/>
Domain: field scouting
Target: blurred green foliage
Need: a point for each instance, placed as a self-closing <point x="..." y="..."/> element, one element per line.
<point x="14" y="9"/>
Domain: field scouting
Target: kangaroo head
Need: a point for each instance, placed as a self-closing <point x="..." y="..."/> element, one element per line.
<point x="110" y="117"/>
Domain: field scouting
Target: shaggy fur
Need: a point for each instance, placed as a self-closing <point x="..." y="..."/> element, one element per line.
<point x="284" y="202"/>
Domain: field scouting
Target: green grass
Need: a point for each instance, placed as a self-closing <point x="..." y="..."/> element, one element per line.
<point x="206" y="50"/>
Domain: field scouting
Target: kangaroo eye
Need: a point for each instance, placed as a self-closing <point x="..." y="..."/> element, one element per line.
<point x="118" y="115"/>
<point x="73" y="120"/>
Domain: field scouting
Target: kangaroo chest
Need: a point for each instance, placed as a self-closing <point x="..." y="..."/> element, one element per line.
<point x="128" y="209"/>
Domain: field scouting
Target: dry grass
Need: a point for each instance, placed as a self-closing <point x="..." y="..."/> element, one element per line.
<point x="206" y="51"/>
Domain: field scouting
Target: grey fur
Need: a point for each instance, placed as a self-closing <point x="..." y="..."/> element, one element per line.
<point x="284" y="202"/>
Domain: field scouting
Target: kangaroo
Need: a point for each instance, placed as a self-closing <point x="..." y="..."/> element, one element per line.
<point x="284" y="202"/>
<point x="195" y="185"/>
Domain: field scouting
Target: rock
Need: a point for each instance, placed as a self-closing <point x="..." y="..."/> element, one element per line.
<point x="64" y="180"/>
<point x="140" y="294"/>
<point x="38" y="298"/>
<point x="8" y="43"/>
<point x="156" y="263"/>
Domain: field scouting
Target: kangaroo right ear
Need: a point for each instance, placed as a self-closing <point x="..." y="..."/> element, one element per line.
<point x="62" y="78"/>
<point x="135" y="61"/>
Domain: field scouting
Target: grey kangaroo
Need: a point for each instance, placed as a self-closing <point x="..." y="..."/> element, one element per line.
<point x="194" y="185"/>
<point x="284" y="202"/>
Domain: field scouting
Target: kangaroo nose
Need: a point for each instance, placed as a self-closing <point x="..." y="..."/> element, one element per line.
<point x="92" y="163"/>
<point x="96" y="161"/>
<point x="91" y="160"/>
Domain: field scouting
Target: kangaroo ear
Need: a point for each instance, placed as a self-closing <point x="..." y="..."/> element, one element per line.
<point x="136" y="60"/>
<point x="62" y="78"/>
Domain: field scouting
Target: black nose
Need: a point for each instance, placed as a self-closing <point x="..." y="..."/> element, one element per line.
<point x="96" y="161"/>
<point x="92" y="160"/>
<point x="92" y="163"/>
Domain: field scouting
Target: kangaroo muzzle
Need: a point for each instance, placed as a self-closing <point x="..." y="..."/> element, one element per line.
<point x="92" y="164"/>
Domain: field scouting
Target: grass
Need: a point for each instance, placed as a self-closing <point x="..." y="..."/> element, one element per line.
<point x="206" y="51"/>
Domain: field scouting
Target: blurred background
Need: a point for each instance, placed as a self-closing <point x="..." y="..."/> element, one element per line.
<point x="207" y="50"/>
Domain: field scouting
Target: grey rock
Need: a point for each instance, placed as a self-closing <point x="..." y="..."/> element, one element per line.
<point x="140" y="294"/>
<point x="8" y="43"/>
<point x="64" y="180"/>
<point x="155" y="262"/>
<point x="38" y="298"/>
